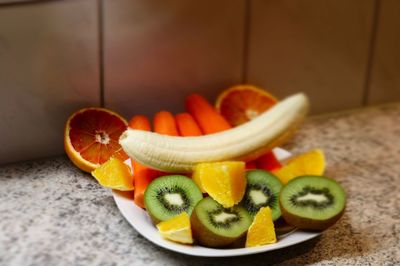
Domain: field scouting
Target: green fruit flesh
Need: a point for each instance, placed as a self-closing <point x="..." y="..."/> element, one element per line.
<point x="213" y="225"/>
<point x="168" y="196"/>
<point x="262" y="190"/>
<point x="312" y="202"/>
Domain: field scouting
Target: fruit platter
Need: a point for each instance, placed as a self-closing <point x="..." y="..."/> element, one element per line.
<point x="211" y="181"/>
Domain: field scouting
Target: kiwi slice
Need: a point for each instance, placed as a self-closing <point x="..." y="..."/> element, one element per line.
<point x="262" y="190"/>
<point x="216" y="226"/>
<point x="312" y="202"/>
<point x="168" y="196"/>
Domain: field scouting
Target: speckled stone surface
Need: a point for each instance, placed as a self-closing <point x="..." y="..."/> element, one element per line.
<point x="53" y="214"/>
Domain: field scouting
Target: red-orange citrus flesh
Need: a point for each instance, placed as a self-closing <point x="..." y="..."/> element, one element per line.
<point x="242" y="103"/>
<point x="91" y="137"/>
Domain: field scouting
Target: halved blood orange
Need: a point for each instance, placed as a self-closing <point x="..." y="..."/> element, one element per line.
<point x="242" y="103"/>
<point x="91" y="137"/>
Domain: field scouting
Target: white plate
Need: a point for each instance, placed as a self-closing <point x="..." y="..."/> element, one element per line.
<point x="140" y="220"/>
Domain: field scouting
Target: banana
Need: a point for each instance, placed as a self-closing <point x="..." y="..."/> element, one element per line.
<point x="245" y="142"/>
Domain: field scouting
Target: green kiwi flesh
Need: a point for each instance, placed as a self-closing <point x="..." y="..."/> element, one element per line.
<point x="312" y="202"/>
<point x="168" y="196"/>
<point x="262" y="190"/>
<point x="216" y="226"/>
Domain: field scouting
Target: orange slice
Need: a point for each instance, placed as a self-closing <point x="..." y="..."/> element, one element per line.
<point x="261" y="231"/>
<point x="242" y="103"/>
<point x="225" y="182"/>
<point x="114" y="174"/>
<point x="309" y="163"/>
<point x="91" y="137"/>
<point x="177" y="229"/>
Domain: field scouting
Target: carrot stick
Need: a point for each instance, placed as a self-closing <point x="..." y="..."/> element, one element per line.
<point x="206" y="116"/>
<point x="164" y="123"/>
<point x="140" y="122"/>
<point x="187" y="126"/>
<point x="268" y="162"/>
<point x="142" y="174"/>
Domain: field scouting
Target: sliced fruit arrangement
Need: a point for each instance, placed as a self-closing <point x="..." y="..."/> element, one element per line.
<point x="168" y="196"/>
<point x="223" y="181"/>
<point x="177" y="229"/>
<point x="91" y="137"/>
<point x="216" y="226"/>
<point x="227" y="151"/>
<point x="262" y="190"/>
<point x="245" y="142"/>
<point x="312" y="202"/>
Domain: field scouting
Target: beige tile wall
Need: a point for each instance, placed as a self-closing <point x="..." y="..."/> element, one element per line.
<point x="48" y="68"/>
<point x="156" y="52"/>
<point x="385" y="72"/>
<point x="319" y="47"/>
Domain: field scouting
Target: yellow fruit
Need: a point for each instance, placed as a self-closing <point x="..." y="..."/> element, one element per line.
<point x="177" y="229"/>
<point x="309" y="163"/>
<point x="114" y="174"/>
<point x="225" y="182"/>
<point x="261" y="231"/>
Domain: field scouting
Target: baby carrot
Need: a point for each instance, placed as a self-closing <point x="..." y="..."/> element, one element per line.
<point x="143" y="177"/>
<point x="164" y="123"/>
<point x="142" y="174"/>
<point x="140" y="122"/>
<point x="187" y="126"/>
<point x="206" y="116"/>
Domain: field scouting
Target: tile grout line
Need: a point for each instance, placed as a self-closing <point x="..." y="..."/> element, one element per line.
<point x="100" y="17"/>
<point x="371" y="52"/>
<point x="246" y="40"/>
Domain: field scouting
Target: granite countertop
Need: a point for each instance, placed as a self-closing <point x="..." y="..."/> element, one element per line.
<point x="53" y="214"/>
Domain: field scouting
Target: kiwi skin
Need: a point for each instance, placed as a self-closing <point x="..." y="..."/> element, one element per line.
<point x="153" y="219"/>
<point x="282" y="227"/>
<point x="309" y="224"/>
<point x="207" y="238"/>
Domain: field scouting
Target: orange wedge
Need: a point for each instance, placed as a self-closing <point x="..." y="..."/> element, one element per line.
<point x="114" y="174"/>
<point x="309" y="163"/>
<point x="225" y="182"/>
<point x="177" y="229"/>
<point x="261" y="231"/>
<point x="91" y="137"/>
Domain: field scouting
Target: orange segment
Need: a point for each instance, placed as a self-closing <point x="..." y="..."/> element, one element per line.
<point x="242" y="103"/>
<point x="177" y="229"/>
<point x="225" y="182"/>
<point x="114" y="174"/>
<point x="261" y="231"/>
<point x="309" y="163"/>
<point x="91" y="137"/>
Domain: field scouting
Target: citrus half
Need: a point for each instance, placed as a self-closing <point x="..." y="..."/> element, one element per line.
<point x="91" y="137"/>
<point x="242" y="103"/>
